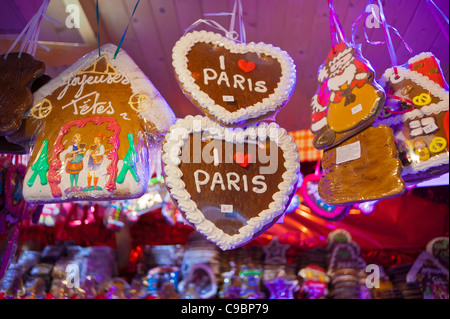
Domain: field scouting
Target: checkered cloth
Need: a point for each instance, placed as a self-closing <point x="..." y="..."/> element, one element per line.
<point x="304" y="139"/>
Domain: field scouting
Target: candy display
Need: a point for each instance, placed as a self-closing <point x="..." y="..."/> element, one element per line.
<point x="233" y="83"/>
<point x="417" y="110"/>
<point x="334" y="271"/>
<point x="314" y="283"/>
<point x="99" y="151"/>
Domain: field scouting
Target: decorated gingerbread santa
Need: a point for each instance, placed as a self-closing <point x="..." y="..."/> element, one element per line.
<point x="347" y="99"/>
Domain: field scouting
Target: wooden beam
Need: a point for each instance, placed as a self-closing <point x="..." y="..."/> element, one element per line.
<point x="60" y="54"/>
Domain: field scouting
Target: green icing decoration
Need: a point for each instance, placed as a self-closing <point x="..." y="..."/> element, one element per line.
<point x="40" y="167"/>
<point x="129" y="162"/>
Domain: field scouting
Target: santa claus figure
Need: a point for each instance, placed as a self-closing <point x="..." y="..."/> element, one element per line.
<point x="347" y="99"/>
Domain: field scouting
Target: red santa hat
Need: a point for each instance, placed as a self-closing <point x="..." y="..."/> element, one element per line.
<point x="338" y="51"/>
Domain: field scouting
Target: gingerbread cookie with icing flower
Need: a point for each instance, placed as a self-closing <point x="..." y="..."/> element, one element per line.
<point x="347" y="101"/>
<point x="234" y="84"/>
<point x="417" y="110"/>
<point x="93" y="130"/>
<point x="230" y="184"/>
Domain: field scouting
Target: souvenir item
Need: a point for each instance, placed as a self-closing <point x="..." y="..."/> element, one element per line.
<point x="431" y="275"/>
<point x="251" y="284"/>
<point x="363" y="168"/>
<point x="231" y="286"/>
<point x="17" y="73"/>
<point x="281" y="287"/>
<point x="230" y="184"/>
<point x="314" y="284"/>
<point x="200" y="282"/>
<point x="275" y="252"/>
<point x="233" y="83"/>
<point x="438" y="248"/>
<point x="345" y="256"/>
<point x="417" y="110"/>
<point x="8" y="251"/>
<point x="158" y="276"/>
<point x="347" y="101"/>
<point x="94" y="129"/>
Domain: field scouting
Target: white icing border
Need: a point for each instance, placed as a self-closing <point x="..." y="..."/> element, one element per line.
<point x="279" y="97"/>
<point x="160" y="114"/>
<point x="175" y="140"/>
<point x="434" y="161"/>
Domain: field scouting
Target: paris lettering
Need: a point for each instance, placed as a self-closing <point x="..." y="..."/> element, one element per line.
<point x="234" y="81"/>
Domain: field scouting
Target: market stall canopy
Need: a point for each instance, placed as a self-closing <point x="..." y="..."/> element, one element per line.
<point x="299" y="27"/>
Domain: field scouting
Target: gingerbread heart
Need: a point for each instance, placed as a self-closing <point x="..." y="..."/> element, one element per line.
<point x="310" y="194"/>
<point x="347" y="100"/>
<point x="233" y="83"/>
<point x="228" y="203"/>
<point x="17" y="73"/>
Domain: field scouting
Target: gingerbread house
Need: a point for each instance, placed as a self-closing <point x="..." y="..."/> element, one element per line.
<point x="417" y="110"/>
<point x="93" y="130"/>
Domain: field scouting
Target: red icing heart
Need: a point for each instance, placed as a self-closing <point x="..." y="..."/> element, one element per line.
<point x="246" y="66"/>
<point x="243" y="160"/>
<point x="195" y="75"/>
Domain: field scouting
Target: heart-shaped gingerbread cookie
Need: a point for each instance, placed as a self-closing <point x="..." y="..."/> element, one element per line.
<point x="233" y="83"/>
<point x="227" y="202"/>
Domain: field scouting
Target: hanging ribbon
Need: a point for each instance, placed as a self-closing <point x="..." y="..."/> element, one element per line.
<point x="230" y="33"/>
<point x="98" y="27"/>
<point x="380" y="18"/>
<point x="123" y="36"/>
<point x="436" y="11"/>
<point x="336" y="30"/>
<point x="318" y="168"/>
<point x="30" y="33"/>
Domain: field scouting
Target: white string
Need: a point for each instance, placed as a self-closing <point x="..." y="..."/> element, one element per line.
<point x="230" y="33"/>
<point x="30" y="33"/>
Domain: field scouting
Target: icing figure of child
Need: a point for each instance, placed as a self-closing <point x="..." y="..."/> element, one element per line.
<point x="96" y="153"/>
<point x="74" y="156"/>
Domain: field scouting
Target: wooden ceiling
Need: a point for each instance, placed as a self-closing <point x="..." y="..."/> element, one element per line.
<point x="300" y="27"/>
